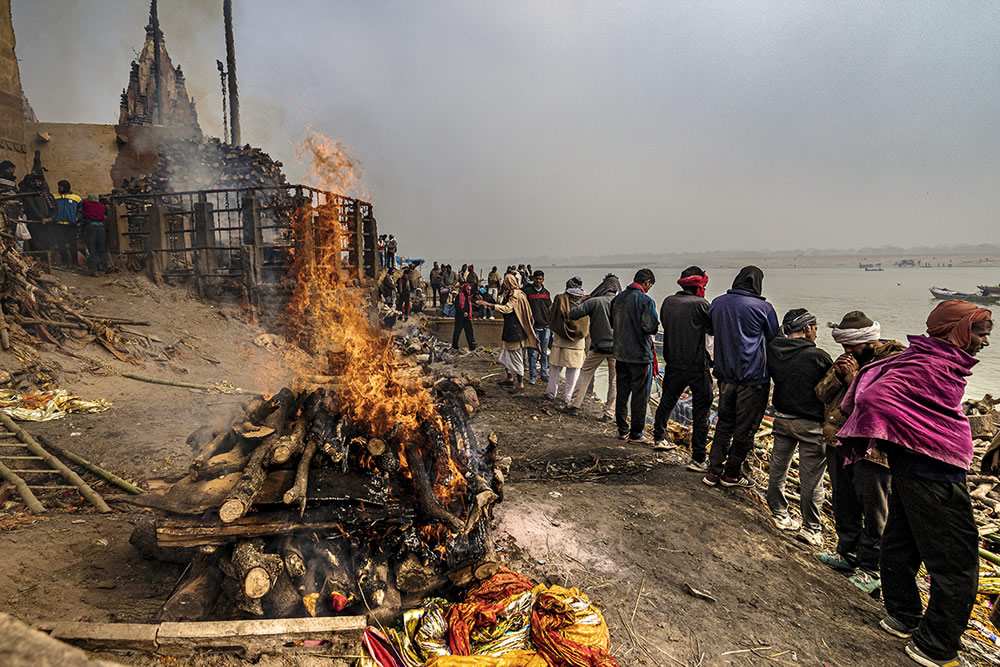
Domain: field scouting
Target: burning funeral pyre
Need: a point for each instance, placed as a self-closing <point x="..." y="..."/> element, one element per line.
<point x="360" y="488"/>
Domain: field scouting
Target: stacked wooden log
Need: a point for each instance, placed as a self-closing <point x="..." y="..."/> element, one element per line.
<point x="207" y="164"/>
<point x="296" y="509"/>
<point x="35" y="308"/>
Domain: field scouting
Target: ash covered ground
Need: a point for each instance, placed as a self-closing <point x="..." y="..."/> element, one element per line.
<point x="629" y="527"/>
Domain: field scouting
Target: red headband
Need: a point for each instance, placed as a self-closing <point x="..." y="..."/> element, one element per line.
<point x="696" y="281"/>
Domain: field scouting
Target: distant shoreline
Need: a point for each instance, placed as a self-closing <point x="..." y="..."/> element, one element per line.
<point x="943" y="260"/>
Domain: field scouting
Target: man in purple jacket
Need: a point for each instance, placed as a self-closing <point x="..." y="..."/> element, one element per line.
<point x="743" y="323"/>
<point x="910" y="406"/>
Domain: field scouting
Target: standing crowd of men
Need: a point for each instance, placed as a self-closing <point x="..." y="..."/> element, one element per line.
<point x="43" y="222"/>
<point x="883" y="419"/>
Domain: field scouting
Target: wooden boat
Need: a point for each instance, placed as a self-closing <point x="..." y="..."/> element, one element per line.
<point x="990" y="290"/>
<point x="974" y="297"/>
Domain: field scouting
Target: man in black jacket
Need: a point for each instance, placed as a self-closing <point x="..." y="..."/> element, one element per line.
<point x="686" y="323"/>
<point x="633" y="318"/>
<point x="796" y="365"/>
<point x="541" y="306"/>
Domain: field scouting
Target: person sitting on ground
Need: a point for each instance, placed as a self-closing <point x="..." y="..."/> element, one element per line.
<point x="518" y="331"/>
<point x="633" y="318"/>
<point x="910" y="405"/>
<point x="463" y="317"/>
<point x="569" y="340"/>
<point x="94" y="235"/>
<point x="541" y="314"/>
<point x="597" y="307"/>
<point x="743" y="323"/>
<point x="860" y="489"/>
<point x="67" y="218"/>
<point x="686" y="325"/>
<point x="796" y="365"/>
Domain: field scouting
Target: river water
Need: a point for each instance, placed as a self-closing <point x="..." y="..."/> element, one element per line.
<point x="896" y="298"/>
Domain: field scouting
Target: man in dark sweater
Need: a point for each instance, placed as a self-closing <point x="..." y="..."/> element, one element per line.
<point x="796" y="365"/>
<point x="541" y="305"/>
<point x="633" y="320"/>
<point x="685" y="321"/>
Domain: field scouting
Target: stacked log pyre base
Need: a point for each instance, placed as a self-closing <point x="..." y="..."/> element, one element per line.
<point x="294" y="509"/>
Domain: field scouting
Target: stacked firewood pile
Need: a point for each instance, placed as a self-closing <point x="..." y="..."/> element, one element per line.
<point x="207" y="164"/>
<point x="35" y="308"/>
<point x="294" y="509"/>
<point x="984" y="421"/>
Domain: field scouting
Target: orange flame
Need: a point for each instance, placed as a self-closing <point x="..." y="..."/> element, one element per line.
<point x="329" y="317"/>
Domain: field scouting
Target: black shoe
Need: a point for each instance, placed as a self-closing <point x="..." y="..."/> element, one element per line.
<point x="569" y="410"/>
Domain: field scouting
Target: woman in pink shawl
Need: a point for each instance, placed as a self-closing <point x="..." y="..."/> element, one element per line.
<point x="910" y="405"/>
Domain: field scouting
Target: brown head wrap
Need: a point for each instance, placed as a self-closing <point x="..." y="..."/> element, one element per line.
<point x="952" y="321"/>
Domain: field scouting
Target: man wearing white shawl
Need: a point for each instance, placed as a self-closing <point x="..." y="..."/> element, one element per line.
<point x="860" y="490"/>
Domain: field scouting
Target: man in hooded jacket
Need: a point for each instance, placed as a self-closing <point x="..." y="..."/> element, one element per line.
<point x="743" y="322"/>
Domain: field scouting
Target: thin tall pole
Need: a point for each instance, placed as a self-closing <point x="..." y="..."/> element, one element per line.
<point x="154" y="19"/>
<point x="234" y="95"/>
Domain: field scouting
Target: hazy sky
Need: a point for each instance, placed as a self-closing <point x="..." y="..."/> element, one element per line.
<point x="528" y="127"/>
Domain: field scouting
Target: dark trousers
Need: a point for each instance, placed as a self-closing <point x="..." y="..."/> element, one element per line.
<point x="931" y="522"/>
<point x="673" y="385"/>
<point x="403" y="305"/>
<point x="463" y="324"/>
<point x="65" y="241"/>
<point x="434" y="291"/>
<point x="633" y="391"/>
<point x="740" y="411"/>
<point x="97" y="249"/>
<point x="860" y="508"/>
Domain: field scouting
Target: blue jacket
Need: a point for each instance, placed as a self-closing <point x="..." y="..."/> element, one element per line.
<point x="633" y="317"/>
<point x="67" y="208"/>
<point x="743" y="324"/>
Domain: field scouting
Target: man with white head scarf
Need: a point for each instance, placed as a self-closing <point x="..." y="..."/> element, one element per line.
<point x="569" y="338"/>
<point x="860" y="490"/>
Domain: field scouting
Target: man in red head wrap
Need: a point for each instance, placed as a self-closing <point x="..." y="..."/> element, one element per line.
<point x="910" y="406"/>
<point x="686" y="325"/>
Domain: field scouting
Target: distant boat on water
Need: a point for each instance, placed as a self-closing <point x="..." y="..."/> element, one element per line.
<point x="974" y="297"/>
<point x="869" y="268"/>
<point x="990" y="290"/>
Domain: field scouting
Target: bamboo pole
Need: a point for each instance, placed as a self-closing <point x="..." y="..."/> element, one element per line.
<point x="22" y="489"/>
<point x="32" y="445"/>
<point x="4" y="333"/>
<point x="172" y="383"/>
<point x="96" y="469"/>
<point x="990" y="556"/>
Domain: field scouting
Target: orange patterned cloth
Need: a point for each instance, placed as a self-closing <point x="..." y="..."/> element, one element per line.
<point x="482" y="607"/>
<point x="568" y="629"/>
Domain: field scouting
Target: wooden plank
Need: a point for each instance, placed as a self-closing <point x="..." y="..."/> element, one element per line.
<point x="254" y="637"/>
<point x="135" y="636"/>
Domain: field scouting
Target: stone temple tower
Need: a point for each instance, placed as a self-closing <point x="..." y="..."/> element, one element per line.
<point x="156" y="94"/>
